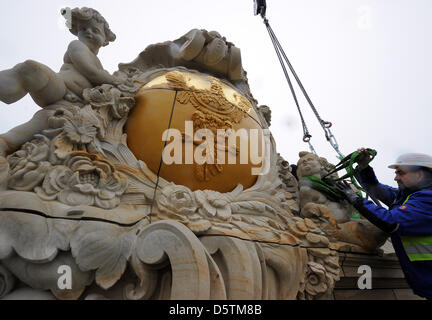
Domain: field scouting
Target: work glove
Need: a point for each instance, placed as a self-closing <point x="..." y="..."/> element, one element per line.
<point x="353" y="198"/>
<point x="350" y="195"/>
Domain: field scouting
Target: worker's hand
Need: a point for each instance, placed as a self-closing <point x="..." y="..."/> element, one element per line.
<point x="347" y="191"/>
<point x="364" y="160"/>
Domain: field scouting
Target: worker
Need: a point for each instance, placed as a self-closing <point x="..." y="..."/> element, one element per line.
<point x="408" y="218"/>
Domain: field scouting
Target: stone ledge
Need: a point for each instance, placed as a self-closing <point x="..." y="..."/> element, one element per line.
<point x="388" y="280"/>
<point x="375" y="294"/>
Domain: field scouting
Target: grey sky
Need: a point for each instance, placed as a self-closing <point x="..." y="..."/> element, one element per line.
<point x="365" y="64"/>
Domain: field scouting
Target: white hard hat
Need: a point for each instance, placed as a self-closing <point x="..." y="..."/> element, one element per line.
<point x="413" y="159"/>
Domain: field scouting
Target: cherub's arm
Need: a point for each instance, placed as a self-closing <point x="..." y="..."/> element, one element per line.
<point x="85" y="62"/>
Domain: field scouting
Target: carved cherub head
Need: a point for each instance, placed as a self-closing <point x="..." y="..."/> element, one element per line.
<point x="90" y="26"/>
<point x="310" y="164"/>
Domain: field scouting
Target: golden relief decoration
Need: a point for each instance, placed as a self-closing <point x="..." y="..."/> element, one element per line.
<point x="214" y="111"/>
<point x="211" y="168"/>
<point x="213" y="99"/>
<point x="214" y="120"/>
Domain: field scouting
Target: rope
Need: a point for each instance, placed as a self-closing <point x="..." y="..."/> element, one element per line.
<point x="324" y="124"/>
<point x="161" y="158"/>
<point x="306" y="134"/>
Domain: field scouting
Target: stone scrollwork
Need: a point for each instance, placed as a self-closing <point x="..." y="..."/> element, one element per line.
<point x="316" y="281"/>
<point x="322" y="273"/>
<point x="201" y="268"/>
<point x="7" y="281"/>
<point x="146" y="284"/>
<point x="189" y="266"/>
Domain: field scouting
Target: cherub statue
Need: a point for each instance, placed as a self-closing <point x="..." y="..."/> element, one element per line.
<point x="339" y="226"/>
<point x="310" y="164"/>
<point x="81" y="69"/>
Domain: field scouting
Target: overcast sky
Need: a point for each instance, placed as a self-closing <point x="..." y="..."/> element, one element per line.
<point x="365" y="64"/>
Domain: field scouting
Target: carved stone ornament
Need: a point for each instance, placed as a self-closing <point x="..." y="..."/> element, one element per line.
<point x="73" y="192"/>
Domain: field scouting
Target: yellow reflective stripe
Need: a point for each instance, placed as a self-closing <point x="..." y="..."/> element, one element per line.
<point x="394" y="201"/>
<point x="406" y="200"/>
<point x="414" y="240"/>
<point x="420" y="256"/>
<point x="418" y="248"/>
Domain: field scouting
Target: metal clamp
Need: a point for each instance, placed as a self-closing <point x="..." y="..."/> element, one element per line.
<point x="307" y="137"/>
<point x="260" y="7"/>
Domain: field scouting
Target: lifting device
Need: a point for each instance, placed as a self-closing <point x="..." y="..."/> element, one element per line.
<point x="326" y="185"/>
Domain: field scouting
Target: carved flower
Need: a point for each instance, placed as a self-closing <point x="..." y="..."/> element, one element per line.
<point x="317" y="282"/>
<point x="177" y="199"/>
<point x="58" y="119"/>
<point x="213" y="204"/>
<point x="79" y="129"/>
<point x="35" y="151"/>
<point x="29" y="165"/>
<point x="84" y="180"/>
<point x="79" y="133"/>
<point x="111" y="98"/>
<point x="82" y="126"/>
<point x="132" y="83"/>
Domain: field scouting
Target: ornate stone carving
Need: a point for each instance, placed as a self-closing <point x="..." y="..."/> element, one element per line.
<point x="84" y="179"/>
<point x="334" y="218"/>
<point x="73" y="192"/>
<point x="213" y="100"/>
<point x="265" y="111"/>
<point x="65" y="162"/>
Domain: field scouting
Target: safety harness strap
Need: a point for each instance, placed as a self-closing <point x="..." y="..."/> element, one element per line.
<point x="326" y="187"/>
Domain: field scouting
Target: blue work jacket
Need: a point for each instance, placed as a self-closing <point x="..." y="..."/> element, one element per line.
<point x="412" y="212"/>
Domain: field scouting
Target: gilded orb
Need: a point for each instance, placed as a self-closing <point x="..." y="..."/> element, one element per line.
<point x="197" y="131"/>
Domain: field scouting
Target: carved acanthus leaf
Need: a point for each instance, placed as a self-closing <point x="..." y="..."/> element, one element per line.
<point x="103" y="247"/>
<point x="33" y="237"/>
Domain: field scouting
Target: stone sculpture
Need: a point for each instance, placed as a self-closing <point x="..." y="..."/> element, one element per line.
<point x="358" y="234"/>
<point x="81" y="70"/>
<point x="76" y="192"/>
